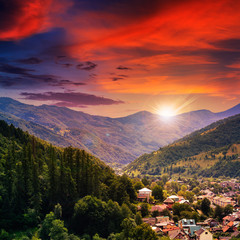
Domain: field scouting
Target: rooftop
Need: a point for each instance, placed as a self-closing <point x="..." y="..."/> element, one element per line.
<point x="145" y="190"/>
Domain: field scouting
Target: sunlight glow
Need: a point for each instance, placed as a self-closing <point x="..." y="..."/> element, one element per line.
<point x="167" y="112"/>
<point x="172" y="106"/>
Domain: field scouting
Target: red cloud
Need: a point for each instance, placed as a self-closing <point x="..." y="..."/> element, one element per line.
<point x="19" y="19"/>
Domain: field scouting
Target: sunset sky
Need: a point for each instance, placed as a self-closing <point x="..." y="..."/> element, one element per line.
<point x="118" y="57"/>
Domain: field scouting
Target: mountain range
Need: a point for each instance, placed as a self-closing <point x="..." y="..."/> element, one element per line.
<point x="116" y="141"/>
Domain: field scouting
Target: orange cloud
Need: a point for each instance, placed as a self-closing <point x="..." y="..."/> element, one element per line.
<point x="190" y="24"/>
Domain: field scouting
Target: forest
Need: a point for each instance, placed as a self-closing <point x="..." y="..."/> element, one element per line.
<point x="61" y="193"/>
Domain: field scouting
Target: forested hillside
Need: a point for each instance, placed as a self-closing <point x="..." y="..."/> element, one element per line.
<point x="211" y="151"/>
<point x="36" y="176"/>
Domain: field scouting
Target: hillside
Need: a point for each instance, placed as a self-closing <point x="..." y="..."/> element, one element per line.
<point x="211" y="151"/>
<point x="116" y="141"/>
<point x="35" y="176"/>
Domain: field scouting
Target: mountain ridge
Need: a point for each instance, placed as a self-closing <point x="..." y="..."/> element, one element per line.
<point x="116" y="141"/>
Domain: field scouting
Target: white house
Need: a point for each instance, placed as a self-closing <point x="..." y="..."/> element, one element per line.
<point x="144" y="193"/>
<point x="174" y="198"/>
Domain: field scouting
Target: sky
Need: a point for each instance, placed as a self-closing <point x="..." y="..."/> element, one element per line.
<point x="117" y="57"/>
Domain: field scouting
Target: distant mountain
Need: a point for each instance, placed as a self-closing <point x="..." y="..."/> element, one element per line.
<point x="230" y="112"/>
<point x="113" y="140"/>
<point x="34" y="128"/>
<point x="211" y="151"/>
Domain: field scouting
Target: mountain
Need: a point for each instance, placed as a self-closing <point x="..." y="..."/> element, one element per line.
<point x="63" y="127"/>
<point x="230" y="112"/>
<point x="38" y="130"/>
<point x="116" y="141"/>
<point x="211" y="151"/>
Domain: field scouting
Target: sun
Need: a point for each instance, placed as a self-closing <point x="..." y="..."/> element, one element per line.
<point x="167" y="112"/>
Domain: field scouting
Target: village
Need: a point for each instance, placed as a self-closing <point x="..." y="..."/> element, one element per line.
<point x="209" y="211"/>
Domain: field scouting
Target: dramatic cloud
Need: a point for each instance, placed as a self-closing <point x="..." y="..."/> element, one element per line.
<point x="88" y="66"/>
<point x="70" y="99"/>
<point x="61" y="61"/>
<point x="6" y="68"/>
<point x="19" y="18"/>
<point x="32" y="60"/>
<point x="123" y="68"/>
<point x="68" y="83"/>
<point x="116" y="79"/>
<point x="26" y="77"/>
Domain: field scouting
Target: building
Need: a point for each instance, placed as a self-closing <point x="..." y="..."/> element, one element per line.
<point x="186" y="223"/>
<point x="184" y="201"/>
<point x="203" y="234"/>
<point x="158" y="208"/>
<point x="143" y="194"/>
<point x="150" y="221"/>
<point x="188" y="226"/>
<point x="177" y="234"/>
<point x="174" y="198"/>
<point x="169" y="202"/>
<point x="222" y="201"/>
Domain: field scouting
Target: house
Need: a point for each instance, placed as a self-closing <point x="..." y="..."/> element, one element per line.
<point x="169" y="227"/>
<point x="156" y="229"/>
<point x="217" y="229"/>
<point x="158" y="208"/>
<point x="150" y="221"/>
<point x="222" y="201"/>
<point x="226" y="219"/>
<point x="184" y="201"/>
<point x="177" y="234"/>
<point x="203" y="234"/>
<point x="228" y="228"/>
<point x="174" y="198"/>
<point x="169" y="202"/>
<point x="143" y="194"/>
<point x="211" y="222"/>
<point x="186" y="223"/>
<point x="188" y="226"/>
<point x="162" y="219"/>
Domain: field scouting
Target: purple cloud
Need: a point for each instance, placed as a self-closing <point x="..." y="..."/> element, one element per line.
<point x="70" y="99"/>
<point x="31" y="60"/>
<point x="86" y="66"/>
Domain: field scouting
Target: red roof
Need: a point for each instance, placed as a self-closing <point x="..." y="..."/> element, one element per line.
<point x="227" y="227"/>
<point x="168" y="200"/>
<point x="170" y="228"/>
